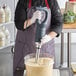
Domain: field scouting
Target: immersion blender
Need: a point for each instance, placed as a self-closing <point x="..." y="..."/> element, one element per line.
<point x="40" y="30"/>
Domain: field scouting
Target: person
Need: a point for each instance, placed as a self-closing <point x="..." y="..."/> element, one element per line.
<point x="26" y="16"/>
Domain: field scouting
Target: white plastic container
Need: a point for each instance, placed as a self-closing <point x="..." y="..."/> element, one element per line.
<point x="44" y="66"/>
<point x="2" y="39"/>
<point x="7" y="13"/>
<point x="7" y="35"/>
<point x="2" y="15"/>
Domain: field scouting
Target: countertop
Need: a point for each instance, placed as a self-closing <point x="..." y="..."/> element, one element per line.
<point x="66" y="72"/>
<point x="69" y="26"/>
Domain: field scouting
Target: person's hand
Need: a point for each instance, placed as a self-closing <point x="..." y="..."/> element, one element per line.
<point x="45" y="39"/>
<point x="36" y="15"/>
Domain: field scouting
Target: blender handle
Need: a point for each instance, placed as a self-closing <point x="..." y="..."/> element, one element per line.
<point x="46" y="16"/>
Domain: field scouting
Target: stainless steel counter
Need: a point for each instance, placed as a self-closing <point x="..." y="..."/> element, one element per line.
<point x="66" y="72"/>
<point x="63" y="72"/>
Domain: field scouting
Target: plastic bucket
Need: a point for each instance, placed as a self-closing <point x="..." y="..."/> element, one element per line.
<point x="44" y="66"/>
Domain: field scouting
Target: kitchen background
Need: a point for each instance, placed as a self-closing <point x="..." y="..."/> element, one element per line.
<point x="6" y="56"/>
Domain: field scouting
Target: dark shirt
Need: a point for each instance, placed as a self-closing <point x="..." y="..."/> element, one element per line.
<point x="56" y="17"/>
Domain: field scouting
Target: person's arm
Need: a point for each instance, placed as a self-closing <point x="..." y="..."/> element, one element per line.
<point x="21" y="21"/>
<point x="27" y="23"/>
<point x="36" y="15"/>
<point x="56" y="19"/>
<point x="56" y="22"/>
<point x="20" y="14"/>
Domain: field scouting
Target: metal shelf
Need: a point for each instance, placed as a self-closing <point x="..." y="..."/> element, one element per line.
<point x="11" y="44"/>
<point x="3" y="24"/>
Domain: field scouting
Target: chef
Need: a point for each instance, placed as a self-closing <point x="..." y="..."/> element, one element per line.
<point x="28" y="19"/>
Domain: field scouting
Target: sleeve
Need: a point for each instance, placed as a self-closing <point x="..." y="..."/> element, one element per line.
<point x="20" y="14"/>
<point x="56" y="17"/>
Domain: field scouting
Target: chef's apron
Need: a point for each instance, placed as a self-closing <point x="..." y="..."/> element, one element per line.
<point x="25" y="40"/>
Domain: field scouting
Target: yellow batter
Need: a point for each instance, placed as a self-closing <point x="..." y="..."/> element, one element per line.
<point x="44" y="67"/>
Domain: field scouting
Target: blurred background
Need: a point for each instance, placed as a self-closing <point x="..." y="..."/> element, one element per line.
<point x="7" y="48"/>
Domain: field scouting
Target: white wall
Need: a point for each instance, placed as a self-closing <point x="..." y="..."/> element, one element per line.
<point x="62" y="3"/>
